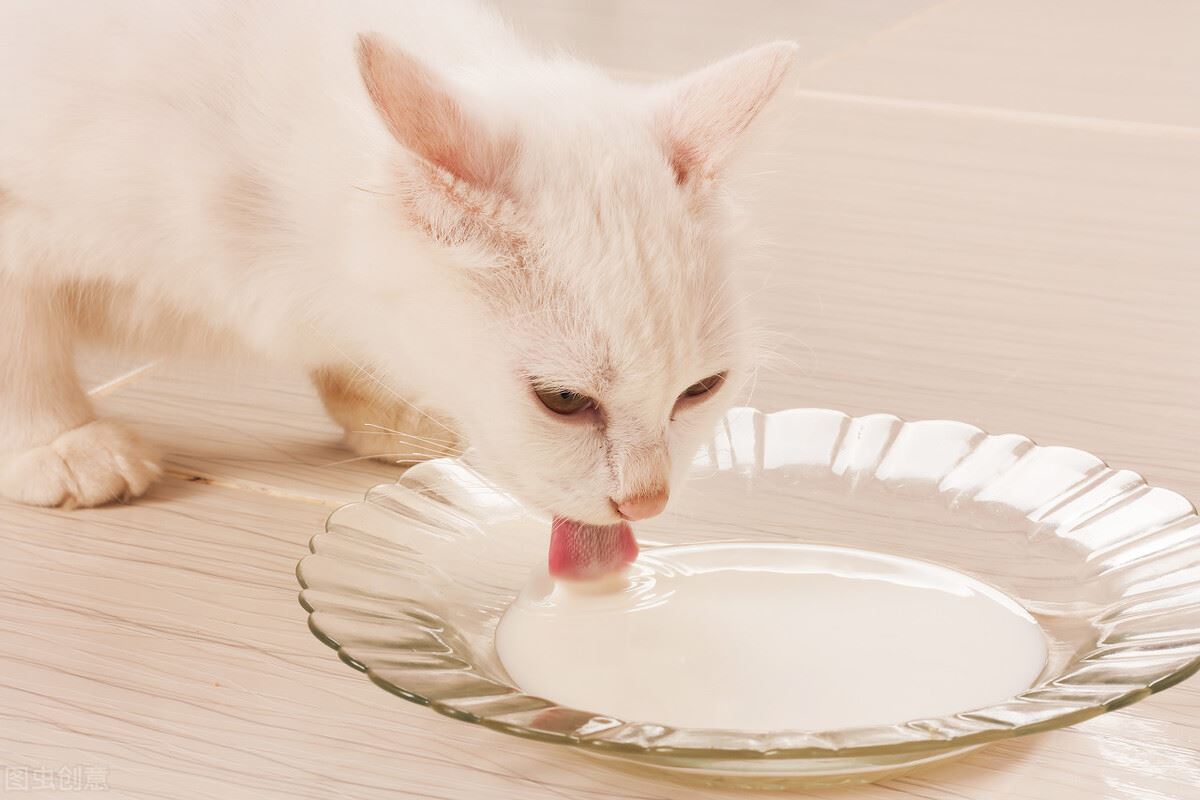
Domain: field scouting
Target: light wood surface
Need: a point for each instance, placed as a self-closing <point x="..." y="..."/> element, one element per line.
<point x="981" y="210"/>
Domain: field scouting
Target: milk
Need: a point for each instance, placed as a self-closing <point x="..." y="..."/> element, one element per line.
<point x="771" y="636"/>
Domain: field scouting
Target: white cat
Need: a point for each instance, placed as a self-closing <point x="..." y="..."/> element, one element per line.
<point x="530" y="250"/>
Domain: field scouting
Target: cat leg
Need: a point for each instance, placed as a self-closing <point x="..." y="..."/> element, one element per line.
<point x="379" y="424"/>
<point x="53" y="450"/>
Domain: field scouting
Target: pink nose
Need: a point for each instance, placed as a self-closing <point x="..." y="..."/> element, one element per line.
<point x="644" y="505"/>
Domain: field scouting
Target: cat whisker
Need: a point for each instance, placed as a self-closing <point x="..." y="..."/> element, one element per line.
<point x="383" y="430"/>
<point x="367" y="373"/>
<point x="434" y="449"/>
<point x="769" y="358"/>
<point x="430" y="445"/>
<point x="413" y="458"/>
<point x="753" y="381"/>
<point x="373" y="191"/>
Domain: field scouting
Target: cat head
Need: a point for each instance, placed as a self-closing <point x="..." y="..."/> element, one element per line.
<point x="585" y="221"/>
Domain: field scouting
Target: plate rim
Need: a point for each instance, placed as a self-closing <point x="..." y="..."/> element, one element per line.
<point x="821" y="744"/>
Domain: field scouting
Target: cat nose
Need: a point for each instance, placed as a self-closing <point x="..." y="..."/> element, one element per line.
<point x="644" y="505"/>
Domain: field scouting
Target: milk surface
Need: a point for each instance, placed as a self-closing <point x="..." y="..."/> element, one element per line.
<point x="770" y="637"/>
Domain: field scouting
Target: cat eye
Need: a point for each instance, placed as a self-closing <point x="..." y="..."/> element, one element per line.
<point x="564" y="401"/>
<point x="705" y="386"/>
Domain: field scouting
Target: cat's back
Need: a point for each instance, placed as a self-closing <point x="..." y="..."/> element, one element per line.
<point x="146" y="139"/>
<point x="120" y="76"/>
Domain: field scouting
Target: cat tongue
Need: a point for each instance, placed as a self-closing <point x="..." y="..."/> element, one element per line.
<point x="584" y="552"/>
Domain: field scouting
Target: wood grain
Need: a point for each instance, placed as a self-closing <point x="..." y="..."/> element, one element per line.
<point x="1098" y="59"/>
<point x="970" y="210"/>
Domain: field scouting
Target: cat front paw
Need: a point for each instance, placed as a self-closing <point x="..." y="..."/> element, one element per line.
<point x="87" y="466"/>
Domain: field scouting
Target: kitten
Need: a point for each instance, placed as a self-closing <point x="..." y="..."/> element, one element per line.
<point x="395" y="196"/>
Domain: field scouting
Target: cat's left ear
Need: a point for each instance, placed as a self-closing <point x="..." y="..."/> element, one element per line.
<point x="705" y="113"/>
<point x="422" y="111"/>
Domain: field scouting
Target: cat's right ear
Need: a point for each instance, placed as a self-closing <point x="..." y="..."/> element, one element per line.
<point x="704" y="114"/>
<point x="422" y="112"/>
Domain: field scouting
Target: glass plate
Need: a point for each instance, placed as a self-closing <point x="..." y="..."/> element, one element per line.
<point x="409" y="585"/>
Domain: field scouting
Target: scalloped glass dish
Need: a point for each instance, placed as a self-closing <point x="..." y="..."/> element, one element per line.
<point x="410" y="584"/>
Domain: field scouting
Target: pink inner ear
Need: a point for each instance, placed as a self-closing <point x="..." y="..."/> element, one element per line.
<point x="423" y="115"/>
<point x="707" y="114"/>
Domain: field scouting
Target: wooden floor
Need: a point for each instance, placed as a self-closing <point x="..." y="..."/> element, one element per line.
<point x="985" y="210"/>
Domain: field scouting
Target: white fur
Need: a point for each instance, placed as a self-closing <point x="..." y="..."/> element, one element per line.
<point x="212" y="175"/>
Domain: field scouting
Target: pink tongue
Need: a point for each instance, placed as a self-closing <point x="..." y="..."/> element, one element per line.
<point x="582" y="552"/>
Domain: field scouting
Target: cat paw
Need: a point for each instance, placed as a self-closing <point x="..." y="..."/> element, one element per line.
<point x="87" y="466"/>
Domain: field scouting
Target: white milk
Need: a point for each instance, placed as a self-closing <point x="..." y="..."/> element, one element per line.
<point x="769" y="637"/>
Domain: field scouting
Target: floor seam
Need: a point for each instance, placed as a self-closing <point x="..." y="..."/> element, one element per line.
<point x="1048" y="119"/>
<point x="124" y="379"/>
<point x="196" y="476"/>
<point x="1014" y="115"/>
<point x="1043" y="118"/>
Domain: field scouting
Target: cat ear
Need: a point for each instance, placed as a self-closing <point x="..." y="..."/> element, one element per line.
<point x="423" y="114"/>
<point x="707" y="111"/>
